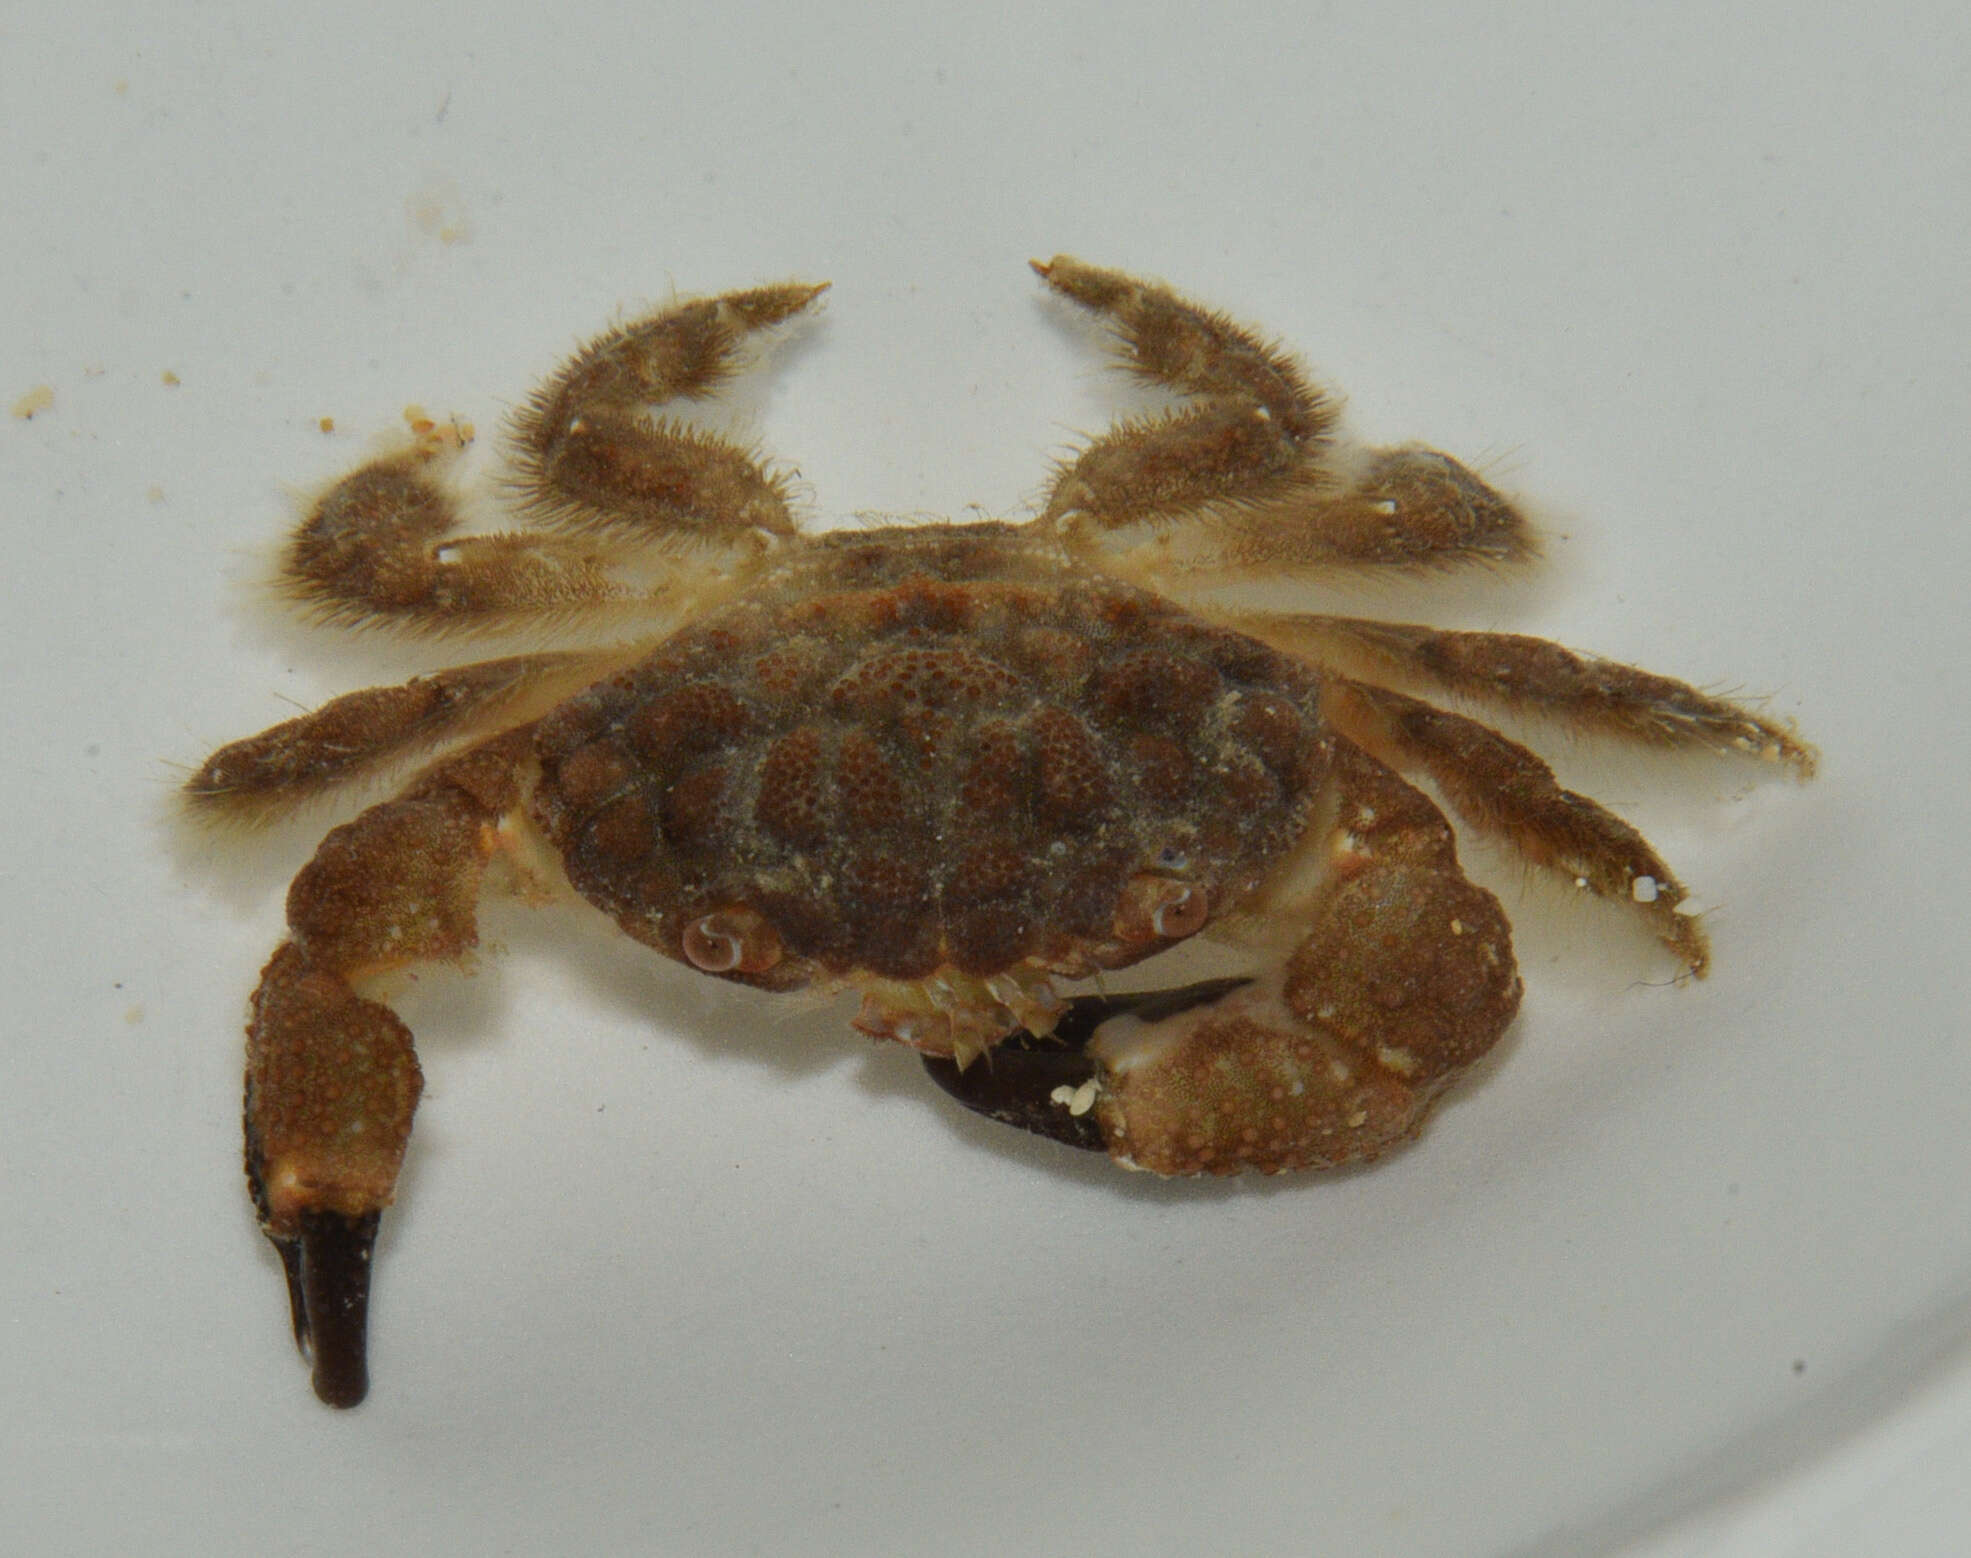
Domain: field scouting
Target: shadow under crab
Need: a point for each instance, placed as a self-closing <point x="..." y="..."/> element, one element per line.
<point x="950" y="767"/>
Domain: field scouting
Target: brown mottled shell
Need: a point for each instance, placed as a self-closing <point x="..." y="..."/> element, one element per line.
<point x="929" y="748"/>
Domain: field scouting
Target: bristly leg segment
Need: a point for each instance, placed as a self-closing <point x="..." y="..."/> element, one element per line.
<point x="365" y="733"/>
<point x="1536" y="676"/>
<point x="332" y="1080"/>
<point x="1250" y="437"/>
<point x="1248" y="467"/>
<point x="382" y="547"/>
<point x="589" y="457"/>
<point x="1501" y="788"/>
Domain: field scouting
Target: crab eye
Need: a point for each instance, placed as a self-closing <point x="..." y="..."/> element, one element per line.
<point x="731" y="941"/>
<point x="1159" y="908"/>
<point x="1182" y="915"/>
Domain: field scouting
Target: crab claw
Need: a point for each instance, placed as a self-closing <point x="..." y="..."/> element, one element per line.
<point x="1037" y="1083"/>
<point x="328" y="1290"/>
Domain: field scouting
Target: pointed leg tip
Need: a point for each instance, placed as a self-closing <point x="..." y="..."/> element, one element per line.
<point x="289" y="1251"/>
<point x="327" y="1264"/>
<point x="341" y="1388"/>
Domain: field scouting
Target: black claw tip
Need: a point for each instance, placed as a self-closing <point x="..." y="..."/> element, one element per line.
<point x="1016" y="1081"/>
<point x="328" y="1288"/>
<point x="1086" y="1013"/>
<point x="297" y="1297"/>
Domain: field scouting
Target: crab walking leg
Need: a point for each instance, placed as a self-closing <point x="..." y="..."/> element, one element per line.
<point x="1533" y="674"/>
<point x="380" y="548"/>
<point x="1250" y="435"/>
<point x="380" y="545"/>
<point x="588" y="457"/>
<point x="1252" y="457"/>
<point x="1499" y="786"/>
<point x="1192" y="349"/>
<point x="1399" y="507"/>
<point x="331" y="1078"/>
<point x="1333" y="1054"/>
<point x="363" y="733"/>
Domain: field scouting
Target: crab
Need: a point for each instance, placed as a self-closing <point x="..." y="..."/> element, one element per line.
<point x="953" y="769"/>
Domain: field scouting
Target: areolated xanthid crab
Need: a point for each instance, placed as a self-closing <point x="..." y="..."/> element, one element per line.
<point x="953" y="768"/>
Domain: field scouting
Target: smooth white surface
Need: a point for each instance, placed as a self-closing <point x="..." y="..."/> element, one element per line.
<point x="1689" y="1273"/>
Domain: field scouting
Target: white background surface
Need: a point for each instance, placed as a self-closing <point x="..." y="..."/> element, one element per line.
<point x="674" y="1273"/>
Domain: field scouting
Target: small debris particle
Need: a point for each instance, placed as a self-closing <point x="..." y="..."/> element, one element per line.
<point x="327" y="424"/>
<point x="1643" y="889"/>
<point x="154" y="492"/>
<point x="1581" y="882"/>
<point x="1076" y="1100"/>
<point x="434" y="437"/>
<point x="1799" y="1365"/>
<point x="170" y="380"/>
<point x="437" y="210"/>
<point x="34" y="402"/>
<point x="133" y="1014"/>
<point x="1457" y="927"/>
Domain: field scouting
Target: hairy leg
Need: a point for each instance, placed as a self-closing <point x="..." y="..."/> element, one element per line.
<point x="1245" y="480"/>
<point x="588" y="456"/>
<point x="1406" y="507"/>
<point x="1535" y="676"/>
<point x="1500" y="787"/>
<point x="381" y="548"/>
<point x="362" y="734"/>
<point x="331" y="1077"/>
<point x="381" y="545"/>
<point x="1251" y="436"/>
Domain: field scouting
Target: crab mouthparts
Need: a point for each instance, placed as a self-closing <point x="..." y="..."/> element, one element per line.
<point x="958" y="1016"/>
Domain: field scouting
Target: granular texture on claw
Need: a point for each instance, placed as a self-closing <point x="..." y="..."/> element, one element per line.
<point x="927" y="748"/>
